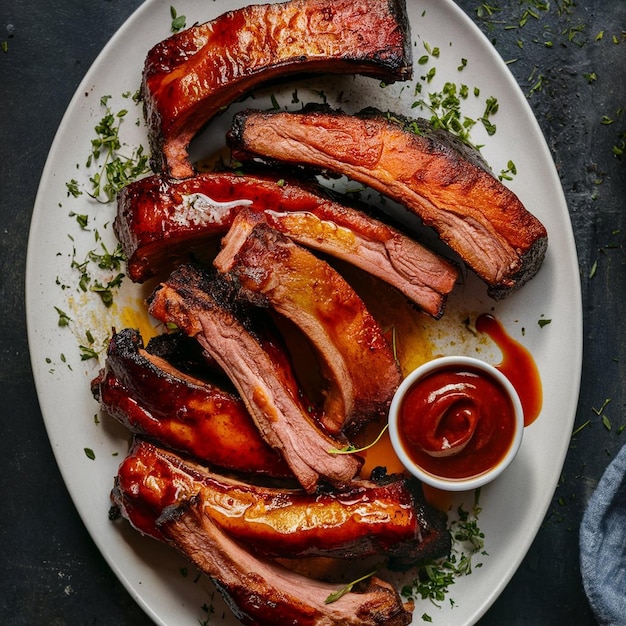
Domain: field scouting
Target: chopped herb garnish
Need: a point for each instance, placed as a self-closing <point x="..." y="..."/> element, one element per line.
<point x="581" y="427"/>
<point x="64" y="318"/>
<point x="81" y="219"/>
<point x="333" y="597"/>
<point x="594" y="269"/>
<point x="89" y="453"/>
<point x="445" y="110"/>
<point x="620" y="147"/>
<point x="108" y="260"/>
<point x="436" y="577"/>
<point x="601" y="409"/>
<point x="72" y="188"/>
<point x="105" y="291"/>
<point x="537" y="85"/>
<point x="87" y="353"/>
<point x="487" y="10"/>
<point x="509" y="172"/>
<point x="350" y="448"/>
<point x="115" y="170"/>
<point x="178" y="21"/>
<point x="543" y="322"/>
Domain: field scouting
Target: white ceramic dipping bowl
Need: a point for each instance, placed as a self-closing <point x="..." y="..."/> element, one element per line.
<point x="461" y="363"/>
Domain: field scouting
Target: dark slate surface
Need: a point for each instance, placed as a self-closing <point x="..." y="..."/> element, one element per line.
<point x="50" y="571"/>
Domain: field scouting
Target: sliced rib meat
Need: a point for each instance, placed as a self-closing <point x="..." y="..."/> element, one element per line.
<point x="198" y="303"/>
<point x="160" y="220"/>
<point x="429" y="172"/>
<point x="386" y="517"/>
<point x="271" y="270"/>
<point x="152" y="398"/>
<point x="260" y="592"/>
<point x="193" y="75"/>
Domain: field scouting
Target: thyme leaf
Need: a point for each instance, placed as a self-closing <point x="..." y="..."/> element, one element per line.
<point x="333" y="597"/>
<point x="178" y="21"/>
<point x="64" y="318"/>
<point x="349" y="449"/>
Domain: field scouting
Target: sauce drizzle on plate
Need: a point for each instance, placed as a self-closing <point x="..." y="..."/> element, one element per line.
<point x="517" y="365"/>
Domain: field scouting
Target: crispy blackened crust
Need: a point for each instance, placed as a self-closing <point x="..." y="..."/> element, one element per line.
<point x="443" y="182"/>
<point x="160" y="221"/>
<point x="197" y="302"/>
<point x="273" y="271"/>
<point x="385" y="518"/>
<point x="198" y="418"/>
<point x="193" y="75"/>
<point x="262" y="593"/>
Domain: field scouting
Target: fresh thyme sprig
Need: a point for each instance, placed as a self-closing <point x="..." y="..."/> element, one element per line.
<point x="350" y="449"/>
<point x="333" y="597"/>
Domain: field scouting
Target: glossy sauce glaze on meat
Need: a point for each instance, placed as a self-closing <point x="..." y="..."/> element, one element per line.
<point x="428" y="171"/>
<point x="260" y="592"/>
<point x="180" y="503"/>
<point x="278" y="483"/>
<point x="197" y="417"/>
<point x="270" y="270"/>
<point x="385" y="516"/>
<point x="201" y="305"/>
<point x="194" y="74"/>
<point x="160" y="221"/>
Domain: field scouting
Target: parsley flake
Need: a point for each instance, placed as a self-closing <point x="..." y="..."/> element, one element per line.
<point x="178" y="21"/>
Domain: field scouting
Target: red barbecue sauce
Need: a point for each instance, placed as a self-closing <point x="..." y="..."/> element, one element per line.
<point x="517" y="365"/>
<point x="460" y="423"/>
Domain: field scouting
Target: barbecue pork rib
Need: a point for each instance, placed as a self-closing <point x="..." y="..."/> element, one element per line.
<point x="160" y="220"/>
<point x="152" y="398"/>
<point x="200" y="304"/>
<point x="194" y="74"/>
<point x="387" y="517"/>
<point x="263" y="593"/>
<point x="428" y="171"/>
<point x="270" y="270"/>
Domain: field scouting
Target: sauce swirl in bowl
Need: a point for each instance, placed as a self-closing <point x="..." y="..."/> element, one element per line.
<point x="456" y="423"/>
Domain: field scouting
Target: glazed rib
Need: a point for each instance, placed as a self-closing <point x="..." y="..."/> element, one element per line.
<point x="198" y="303"/>
<point x="271" y="270"/>
<point x="160" y="220"/>
<point x="386" y="517"/>
<point x="152" y="398"/>
<point x="194" y="74"/>
<point x="263" y="593"/>
<point x="429" y="172"/>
